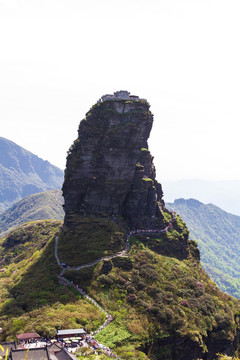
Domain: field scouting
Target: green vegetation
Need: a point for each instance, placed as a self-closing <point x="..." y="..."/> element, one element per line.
<point x="87" y="353"/>
<point x="41" y="206"/>
<point x="217" y="234"/>
<point x="91" y="239"/>
<point x="147" y="179"/>
<point x="159" y="291"/>
<point x="159" y="296"/>
<point x="31" y="298"/>
<point x="144" y="149"/>
<point x="225" y="357"/>
<point x="153" y="296"/>
<point x="167" y="216"/>
<point x="139" y="166"/>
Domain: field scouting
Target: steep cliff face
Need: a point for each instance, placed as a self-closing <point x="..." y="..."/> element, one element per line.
<point x="110" y="170"/>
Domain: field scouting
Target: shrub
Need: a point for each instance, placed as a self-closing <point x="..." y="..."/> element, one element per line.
<point x="222" y="321"/>
<point x="199" y="284"/>
<point x="130" y="289"/>
<point x="64" y="298"/>
<point x="140" y="285"/>
<point x="105" y="280"/>
<point x="121" y="280"/>
<point x="84" y="321"/>
<point x="153" y="290"/>
<point x="149" y="273"/>
<point x="131" y="297"/>
<point x="184" y="303"/>
<point x="199" y="292"/>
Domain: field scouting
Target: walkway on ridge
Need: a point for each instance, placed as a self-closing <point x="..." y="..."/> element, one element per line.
<point x="109" y="317"/>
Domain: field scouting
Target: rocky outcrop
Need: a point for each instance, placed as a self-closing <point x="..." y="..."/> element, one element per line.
<point x="110" y="170"/>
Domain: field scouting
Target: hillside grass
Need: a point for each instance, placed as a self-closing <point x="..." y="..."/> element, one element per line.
<point x="92" y="238"/>
<point x="31" y="298"/>
<point x="153" y="296"/>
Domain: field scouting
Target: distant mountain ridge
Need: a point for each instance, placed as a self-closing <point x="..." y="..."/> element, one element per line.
<point x="46" y="205"/>
<point x="218" y="236"/>
<point x="224" y="193"/>
<point x="23" y="173"/>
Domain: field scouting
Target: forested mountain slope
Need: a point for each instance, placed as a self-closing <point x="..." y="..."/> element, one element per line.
<point x="23" y="173"/>
<point x="218" y="236"/>
<point x="41" y="206"/>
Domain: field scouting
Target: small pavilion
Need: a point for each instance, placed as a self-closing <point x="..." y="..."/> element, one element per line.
<point x="28" y="336"/>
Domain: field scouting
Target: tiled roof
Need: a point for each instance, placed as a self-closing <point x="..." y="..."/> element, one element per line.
<point x="56" y="346"/>
<point x="5" y="346"/>
<point x="64" y="355"/>
<point x="27" y="336"/>
<point x="71" y="332"/>
<point x="30" y="354"/>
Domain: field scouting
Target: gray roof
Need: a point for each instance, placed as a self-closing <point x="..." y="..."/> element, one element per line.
<point x="30" y="354"/>
<point x="57" y="352"/>
<point x="64" y="355"/>
<point x="54" y="347"/>
<point x="7" y="345"/>
<point x="71" y="332"/>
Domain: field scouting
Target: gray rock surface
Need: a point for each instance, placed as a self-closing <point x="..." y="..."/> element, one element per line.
<point x="110" y="170"/>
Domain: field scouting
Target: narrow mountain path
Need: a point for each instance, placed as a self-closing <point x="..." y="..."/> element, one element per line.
<point x="56" y="250"/>
<point x="124" y="252"/>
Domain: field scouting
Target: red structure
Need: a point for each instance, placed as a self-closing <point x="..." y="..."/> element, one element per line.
<point x="28" y="336"/>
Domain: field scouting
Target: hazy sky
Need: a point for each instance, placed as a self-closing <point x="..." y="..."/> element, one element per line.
<point x="58" y="57"/>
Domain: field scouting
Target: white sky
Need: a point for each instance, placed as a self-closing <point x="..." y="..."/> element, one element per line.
<point x="58" y="57"/>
